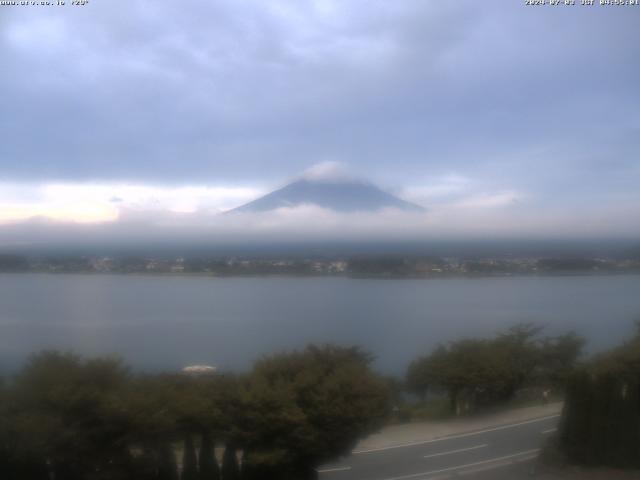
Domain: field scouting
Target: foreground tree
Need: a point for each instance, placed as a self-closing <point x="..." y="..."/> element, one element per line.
<point x="475" y="372"/>
<point x="600" y="424"/>
<point x="70" y="414"/>
<point x="557" y="359"/>
<point x="76" y="419"/>
<point x="306" y="408"/>
<point x="152" y="408"/>
<point x="420" y="377"/>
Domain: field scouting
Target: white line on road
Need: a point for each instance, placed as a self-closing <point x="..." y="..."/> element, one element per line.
<point x="484" y="468"/>
<point x="551" y="430"/>
<point x="457" y="451"/>
<point x="336" y="469"/>
<point x="493" y="466"/>
<point x="467" y="465"/>
<point x="453" y="437"/>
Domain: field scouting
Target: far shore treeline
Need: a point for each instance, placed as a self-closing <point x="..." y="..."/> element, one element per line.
<point x="361" y="266"/>
<point x="67" y="417"/>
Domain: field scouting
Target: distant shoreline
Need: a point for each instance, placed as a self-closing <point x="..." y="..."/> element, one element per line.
<point x="442" y="276"/>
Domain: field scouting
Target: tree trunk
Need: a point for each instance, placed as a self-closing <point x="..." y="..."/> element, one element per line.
<point x="230" y="467"/>
<point x="209" y="469"/>
<point x="189" y="460"/>
<point x="453" y="400"/>
<point x="167" y="468"/>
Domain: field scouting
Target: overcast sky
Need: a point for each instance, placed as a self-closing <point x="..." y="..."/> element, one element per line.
<point x="520" y="119"/>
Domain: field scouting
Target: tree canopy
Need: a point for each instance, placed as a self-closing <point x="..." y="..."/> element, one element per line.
<point x="477" y="372"/>
<point x="600" y="424"/>
<point x="92" y="419"/>
<point x="305" y="408"/>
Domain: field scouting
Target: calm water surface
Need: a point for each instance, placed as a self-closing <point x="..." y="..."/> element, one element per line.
<point x="169" y="322"/>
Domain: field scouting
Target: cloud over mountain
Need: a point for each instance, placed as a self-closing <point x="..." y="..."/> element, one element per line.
<point x="201" y="109"/>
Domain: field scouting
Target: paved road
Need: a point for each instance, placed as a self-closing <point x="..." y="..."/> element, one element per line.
<point x="498" y="452"/>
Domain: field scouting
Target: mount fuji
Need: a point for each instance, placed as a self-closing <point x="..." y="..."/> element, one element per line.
<point x="337" y="194"/>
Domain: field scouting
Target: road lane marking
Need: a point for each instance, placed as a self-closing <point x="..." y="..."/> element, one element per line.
<point x="453" y="437"/>
<point x="494" y="466"/>
<point x="551" y="430"/>
<point x="336" y="469"/>
<point x="450" y="452"/>
<point x="484" y="468"/>
<point x="467" y="465"/>
<point x="527" y="458"/>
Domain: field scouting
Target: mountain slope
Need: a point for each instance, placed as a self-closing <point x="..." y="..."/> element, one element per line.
<point x="340" y="196"/>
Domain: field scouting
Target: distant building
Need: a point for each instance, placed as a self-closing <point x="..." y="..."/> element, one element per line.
<point x="199" y="370"/>
<point x="338" y="267"/>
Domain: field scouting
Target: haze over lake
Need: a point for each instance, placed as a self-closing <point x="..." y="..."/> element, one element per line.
<point x="157" y="322"/>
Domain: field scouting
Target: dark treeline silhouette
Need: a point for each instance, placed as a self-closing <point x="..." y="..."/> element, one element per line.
<point x="479" y="372"/>
<point x="601" y="419"/>
<point x="13" y="263"/>
<point x="71" y="418"/>
<point x="66" y="417"/>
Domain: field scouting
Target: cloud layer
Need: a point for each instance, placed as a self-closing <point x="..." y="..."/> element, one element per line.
<point x="526" y="115"/>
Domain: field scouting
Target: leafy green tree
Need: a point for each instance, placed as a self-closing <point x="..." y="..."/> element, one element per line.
<point x="558" y="358"/>
<point x="477" y="372"/>
<point x="166" y="408"/>
<point x="71" y="413"/>
<point x="623" y="429"/>
<point x="306" y="408"/>
<point x="153" y="422"/>
<point x="18" y="459"/>
<point x="601" y="420"/>
<point x="470" y="371"/>
<point x="576" y="416"/>
<point x="518" y="348"/>
<point x="419" y="377"/>
<point x="79" y="419"/>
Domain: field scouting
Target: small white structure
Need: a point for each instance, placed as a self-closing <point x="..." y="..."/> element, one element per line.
<point x="199" y="370"/>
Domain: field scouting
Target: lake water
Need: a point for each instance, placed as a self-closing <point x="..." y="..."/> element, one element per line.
<point x="169" y="322"/>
